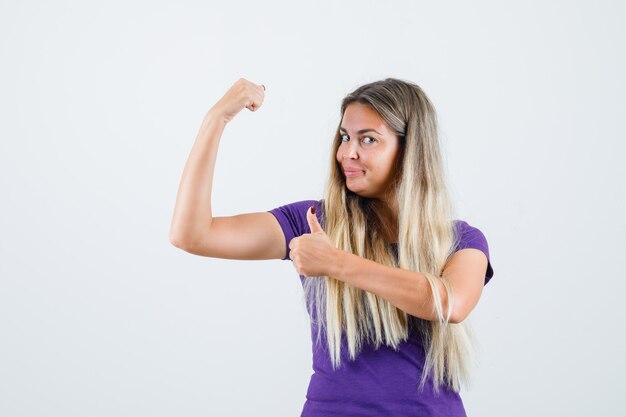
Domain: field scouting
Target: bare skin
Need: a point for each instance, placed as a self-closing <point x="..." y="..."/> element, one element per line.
<point x="374" y="154"/>
<point x="193" y="226"/>
<point x="259" y="235"/>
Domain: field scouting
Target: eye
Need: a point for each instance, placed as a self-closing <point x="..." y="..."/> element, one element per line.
<point x="372" y="140"/>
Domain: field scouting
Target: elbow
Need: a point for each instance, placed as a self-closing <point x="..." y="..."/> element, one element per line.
<point x="459" y="314"/>
<point x="459" y="310"/>
<point x="181" y="238"/>
<point x="178" y="241"/>
<point x="456" y="319"/>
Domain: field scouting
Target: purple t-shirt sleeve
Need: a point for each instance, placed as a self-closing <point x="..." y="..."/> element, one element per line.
<point x="472" y="237"/>
<point x="292" y="219"/>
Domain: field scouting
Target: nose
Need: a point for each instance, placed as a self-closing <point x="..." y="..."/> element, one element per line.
<point x="350" y="149"/>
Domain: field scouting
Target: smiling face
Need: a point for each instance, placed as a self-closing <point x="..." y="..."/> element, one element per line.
<point x="368" y="152"/>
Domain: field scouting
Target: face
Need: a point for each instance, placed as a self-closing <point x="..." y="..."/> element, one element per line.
<point x="368" y="151"/>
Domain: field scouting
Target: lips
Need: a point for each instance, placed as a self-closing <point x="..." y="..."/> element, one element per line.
<point x="352" y="172"/>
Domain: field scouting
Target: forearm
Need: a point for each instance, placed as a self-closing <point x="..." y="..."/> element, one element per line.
<point x="192" y="213"/>
<point x="405" y="289"/>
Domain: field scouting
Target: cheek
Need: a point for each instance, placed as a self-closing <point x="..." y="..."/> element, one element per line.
<point x="339" y="152"/>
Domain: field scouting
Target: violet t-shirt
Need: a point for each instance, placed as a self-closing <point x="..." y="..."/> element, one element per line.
<point x="379" y="382"/>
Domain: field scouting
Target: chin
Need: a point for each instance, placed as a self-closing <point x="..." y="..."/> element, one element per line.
<point x="355" y="191"/>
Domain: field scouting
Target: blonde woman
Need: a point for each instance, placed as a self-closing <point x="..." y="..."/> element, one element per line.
<point x="389" y="277"/>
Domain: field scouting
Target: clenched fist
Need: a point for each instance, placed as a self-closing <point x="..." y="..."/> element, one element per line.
<point x="242" y="94"/>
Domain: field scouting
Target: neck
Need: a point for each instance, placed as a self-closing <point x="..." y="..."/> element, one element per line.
<point x="389" y="213"/>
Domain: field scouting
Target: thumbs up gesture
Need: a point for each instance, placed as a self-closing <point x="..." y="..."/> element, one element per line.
<point x="313" y="254"/>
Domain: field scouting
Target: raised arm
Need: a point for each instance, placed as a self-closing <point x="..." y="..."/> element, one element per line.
<point x="193" y="227"/>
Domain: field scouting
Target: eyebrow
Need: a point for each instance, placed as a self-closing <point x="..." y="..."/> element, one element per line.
<point x="363" y="130"/>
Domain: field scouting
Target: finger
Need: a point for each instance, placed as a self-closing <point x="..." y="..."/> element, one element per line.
<point x="314" y="224"/>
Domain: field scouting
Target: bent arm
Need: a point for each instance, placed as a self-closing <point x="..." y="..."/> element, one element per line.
<point x="192" y="214"/>
<point x="409" y="290"/>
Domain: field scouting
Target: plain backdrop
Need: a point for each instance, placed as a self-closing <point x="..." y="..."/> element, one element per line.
<point x="100" y="102"/>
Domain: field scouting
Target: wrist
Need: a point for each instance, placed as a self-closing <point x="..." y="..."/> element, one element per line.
<point x="214" y="115"/>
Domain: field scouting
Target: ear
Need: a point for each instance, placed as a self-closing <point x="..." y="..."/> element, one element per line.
<point x="314" y="224"/>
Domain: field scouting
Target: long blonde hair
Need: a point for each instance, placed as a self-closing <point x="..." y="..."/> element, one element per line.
<point x="425" y="241"/>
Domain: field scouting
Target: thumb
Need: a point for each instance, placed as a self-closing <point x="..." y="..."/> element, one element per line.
<point x="314" y="224"/>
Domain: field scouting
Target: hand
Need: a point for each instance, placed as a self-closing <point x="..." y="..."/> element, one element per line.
<point x="313" y="254"/>
<point x="242" y="93"/>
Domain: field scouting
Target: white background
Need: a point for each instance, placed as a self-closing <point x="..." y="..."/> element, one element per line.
<point x="100" y="104"/>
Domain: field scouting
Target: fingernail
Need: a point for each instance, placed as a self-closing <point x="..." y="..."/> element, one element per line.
<point x="313" y="209"/>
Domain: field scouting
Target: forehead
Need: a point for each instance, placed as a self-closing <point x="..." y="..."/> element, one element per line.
<point x="359" y="116"/>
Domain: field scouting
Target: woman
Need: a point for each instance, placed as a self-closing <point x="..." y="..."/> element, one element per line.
<point x="388" y="277"/>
